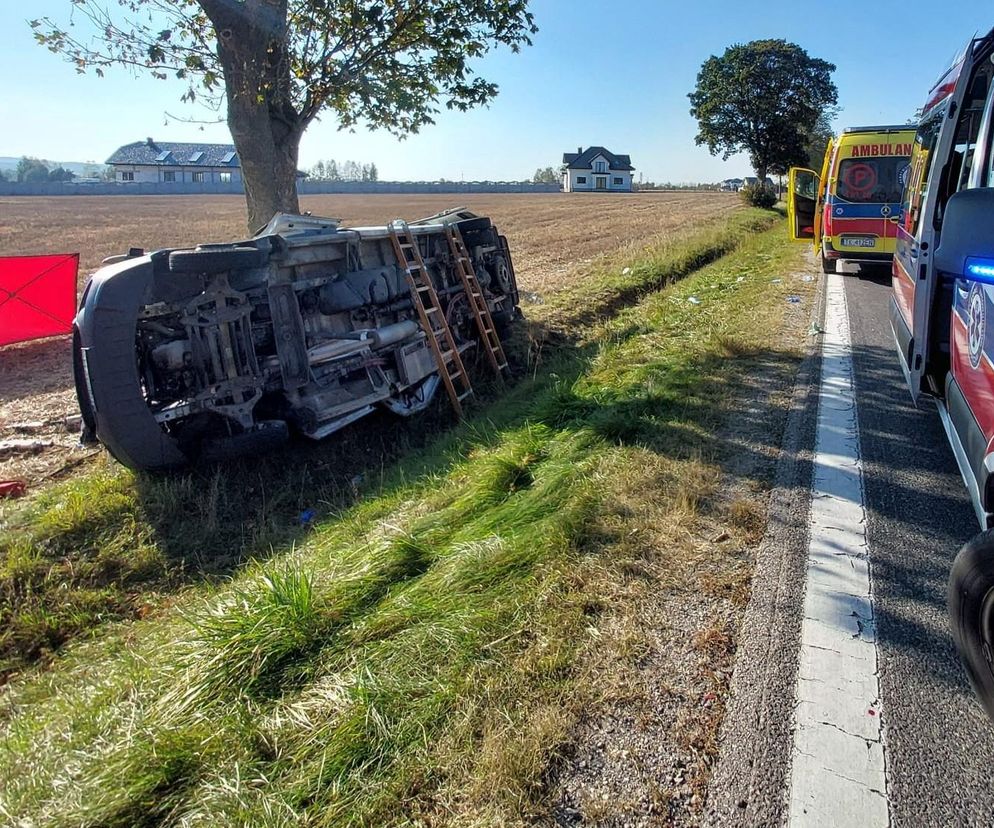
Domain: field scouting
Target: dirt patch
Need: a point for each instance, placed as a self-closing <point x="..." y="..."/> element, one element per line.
<point x="550" y="236"/>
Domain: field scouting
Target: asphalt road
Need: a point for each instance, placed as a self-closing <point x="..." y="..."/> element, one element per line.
<point x="939" y="744"/>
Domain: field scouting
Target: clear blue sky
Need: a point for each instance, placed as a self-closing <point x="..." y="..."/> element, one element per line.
<point x="615" y="74"/>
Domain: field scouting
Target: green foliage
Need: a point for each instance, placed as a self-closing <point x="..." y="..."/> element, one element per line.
<point x="331" y="170"/>
<point x="763" y="98"/>
<point x="547" y="175"/>
<point x="756" y="195"/>
<point x="389" y="65"/>
<point x="32" y="170"/>
<point x="61" y="174"/>
<point x="818" y="138"/>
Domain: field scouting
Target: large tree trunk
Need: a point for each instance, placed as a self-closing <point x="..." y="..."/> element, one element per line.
<point x="266" y="128"/>
<point x="268" y="150"/>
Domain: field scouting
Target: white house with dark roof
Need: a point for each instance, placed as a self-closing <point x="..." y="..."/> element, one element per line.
<point x="152" y="161"/>
<point x="596" y="170"/>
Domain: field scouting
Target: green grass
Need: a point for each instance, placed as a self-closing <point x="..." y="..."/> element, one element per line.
<point x="110" y="545"/>
<point x="417" y="655"/>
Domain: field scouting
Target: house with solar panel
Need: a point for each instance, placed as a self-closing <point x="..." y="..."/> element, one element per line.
<point x="595" y="169"/>
<point x="161" y="161"/>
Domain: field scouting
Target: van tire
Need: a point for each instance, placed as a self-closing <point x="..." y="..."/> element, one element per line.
<point x="829" y="265"/>
<point x="970" y="601"/>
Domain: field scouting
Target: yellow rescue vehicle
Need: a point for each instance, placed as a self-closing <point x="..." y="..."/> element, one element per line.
<point x="851" y="211"/>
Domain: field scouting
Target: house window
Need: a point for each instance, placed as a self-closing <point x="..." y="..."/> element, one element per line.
<point x="600" y="166"/>
<point x="581" y="179"/>
<point x="127" y="176"/>
<point x="619" y="181"/>
<point x="169" y="176"/>
<point x="225" y="177"/>
<point x="198" y="177"/>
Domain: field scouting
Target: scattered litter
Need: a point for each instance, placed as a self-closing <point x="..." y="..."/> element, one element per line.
<point x="533" y="298"/>
<point x="626" y="271"/>
<point x="713" y="287"/>
<point x="709" y="698"/>
<point x="807" y="278"/>
<point x="872" y="712"/>
<point x="12" y="488"/>
<point x="73" y="422"/>
<point x="776" y="281"/>
<point x="794" y="300"/>
<point x="9" y="447"/>
<point x="720" y="537"/>
<point x="741" y="279"/>
<point x="815" y="329"/>
<point x="356" y="482"/>
<point x="693" y="300"/>
<point x="307" y="516"/>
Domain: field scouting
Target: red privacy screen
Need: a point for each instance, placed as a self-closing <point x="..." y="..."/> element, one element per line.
<point x="37" y="296"/>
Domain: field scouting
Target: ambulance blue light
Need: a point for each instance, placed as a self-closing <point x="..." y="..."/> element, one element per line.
<point x="980" y="270"/>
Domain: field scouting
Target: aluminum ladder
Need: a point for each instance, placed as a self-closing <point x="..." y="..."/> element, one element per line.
<point x="433" y="322"/>
<point x="477" y="302"/>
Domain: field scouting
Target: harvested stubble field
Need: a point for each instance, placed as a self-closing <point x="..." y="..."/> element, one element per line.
<point x="552" y="237"/>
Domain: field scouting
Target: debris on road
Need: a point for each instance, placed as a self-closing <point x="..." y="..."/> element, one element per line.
<point x="794" y="300"/>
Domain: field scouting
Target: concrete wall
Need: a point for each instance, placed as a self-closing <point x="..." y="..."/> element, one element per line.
<point x="8" y="188"/>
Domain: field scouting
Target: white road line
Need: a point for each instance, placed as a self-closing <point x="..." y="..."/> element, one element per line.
<point x="837" y="763"/>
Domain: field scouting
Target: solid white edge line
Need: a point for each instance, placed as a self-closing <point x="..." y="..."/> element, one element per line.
<point x="837" y="762"/>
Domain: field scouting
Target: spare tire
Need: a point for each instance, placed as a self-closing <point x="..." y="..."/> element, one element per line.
<point x="209" y="259"/>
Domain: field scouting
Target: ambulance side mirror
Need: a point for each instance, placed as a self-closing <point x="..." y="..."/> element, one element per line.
<point x="966" y="247"/>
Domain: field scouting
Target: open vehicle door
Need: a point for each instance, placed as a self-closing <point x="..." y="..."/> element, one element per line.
<point x="928" y="189"/>
<point x="802" y="203"/>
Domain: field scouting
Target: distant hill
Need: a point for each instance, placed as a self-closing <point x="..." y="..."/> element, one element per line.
<point x="8" y="164"/>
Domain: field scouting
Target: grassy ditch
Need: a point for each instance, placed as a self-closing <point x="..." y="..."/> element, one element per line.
<point x="110" y="545"/>
<point x="421" y="655"/>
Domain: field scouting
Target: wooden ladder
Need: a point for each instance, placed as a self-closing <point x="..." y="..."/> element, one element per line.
<point x="436" y="328"/>
<point x="477" y="301"/>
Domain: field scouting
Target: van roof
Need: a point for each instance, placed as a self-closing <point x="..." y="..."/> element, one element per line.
<point x="889" y="128"/>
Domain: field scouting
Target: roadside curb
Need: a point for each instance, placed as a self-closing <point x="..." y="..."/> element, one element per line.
<point x="750" y="781"/>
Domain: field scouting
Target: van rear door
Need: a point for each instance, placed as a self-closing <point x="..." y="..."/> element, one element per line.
<point x="932" y="162"/>
<point x="802" y="203"/>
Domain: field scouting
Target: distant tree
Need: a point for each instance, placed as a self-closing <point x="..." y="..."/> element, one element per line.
<point x="763" y="98"/>
<point x="281" y="64"/>
<point x="365" y="172"/>
<point x="546" y="175"/>
<point x="374" y="174"/>
<point x="817" y="140"/>
<point x="331" y="169"/>
<point x="3" y="175"/>
<point x="318" y="172"/>
<point x="31" y="170"/>
<point x="61" y="174"/>
<point x="350" y="171"/>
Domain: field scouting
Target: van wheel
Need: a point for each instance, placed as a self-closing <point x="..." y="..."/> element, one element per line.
<point x="829" y="265"/>
<point x="970" y="600"/>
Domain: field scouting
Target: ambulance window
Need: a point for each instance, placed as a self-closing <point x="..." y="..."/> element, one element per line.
<point x="922" y="155"/>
